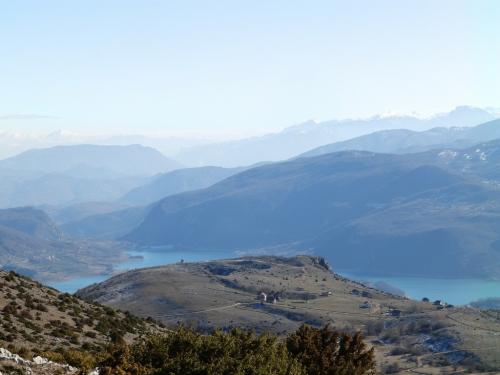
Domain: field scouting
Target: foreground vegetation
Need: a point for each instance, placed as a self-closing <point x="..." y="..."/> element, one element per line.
<point x="39" y="321"/>
<point x="309" y="351"/>
<point x="235" y="331"/>
<point x="408" y="336"/>
<point x="36" y="320"/>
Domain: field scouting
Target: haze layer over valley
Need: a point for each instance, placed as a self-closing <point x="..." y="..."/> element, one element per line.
<point x="199" y="150"/>
<point x="274" y="173"/>
<point x="374" y="209"/>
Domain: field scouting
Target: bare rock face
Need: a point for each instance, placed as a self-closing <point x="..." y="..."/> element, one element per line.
<point x="37" y="366"/>
<point x="320" y="261"/>
<point x="5" y="355"/>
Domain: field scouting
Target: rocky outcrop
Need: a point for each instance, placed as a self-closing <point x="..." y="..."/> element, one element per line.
<point x="322" y="262"/>
<point x="36" y="366"/>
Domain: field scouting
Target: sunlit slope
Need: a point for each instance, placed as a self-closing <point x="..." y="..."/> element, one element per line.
<point x="224" y="294"/>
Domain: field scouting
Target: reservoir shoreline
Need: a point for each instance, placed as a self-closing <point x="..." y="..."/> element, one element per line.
<point x="453" y="291"/>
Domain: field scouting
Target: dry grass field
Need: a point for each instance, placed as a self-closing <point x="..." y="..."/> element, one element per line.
<point x="409" y="336"/>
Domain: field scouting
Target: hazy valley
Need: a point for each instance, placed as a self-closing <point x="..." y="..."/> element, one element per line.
<point x="371" y="213"/>
<point x="249" y="187"/>
<point x="408" y="202"/>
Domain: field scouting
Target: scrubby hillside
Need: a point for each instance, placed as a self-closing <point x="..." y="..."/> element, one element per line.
<point x="228" y="293"/>
<point x="36" y="320"/>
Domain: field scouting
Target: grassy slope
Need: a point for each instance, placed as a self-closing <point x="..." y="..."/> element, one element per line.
<point x="223" y="294"/>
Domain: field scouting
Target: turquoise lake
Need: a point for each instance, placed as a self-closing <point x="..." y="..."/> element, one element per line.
<point x="152" y="256"/>
<point x="454" y="291"/>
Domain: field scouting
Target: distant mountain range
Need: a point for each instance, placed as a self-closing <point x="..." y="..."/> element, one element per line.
<point x="113" y="219"/>
<point x="301" y="138"/>
<point x="429" y="214"/>
<point x="79" y="211"/>
<point x="30" y="221"/>
<point x="32" y="244"/>
<point x="365" y="211"/>
<point x="109" y="225"/>
<point x="13" y="143"/>
<point x="176" y="182"/>
<point x="59" y="189"/>
<point x="133" y="160"/>
<point x="65" y="175"/>
<point x="403" y="141"/>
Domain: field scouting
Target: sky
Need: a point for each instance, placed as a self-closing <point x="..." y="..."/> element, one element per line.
<point x="239" y="66"/>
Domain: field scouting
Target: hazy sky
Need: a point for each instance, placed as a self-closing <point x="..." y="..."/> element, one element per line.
<point x="148" y="66"/>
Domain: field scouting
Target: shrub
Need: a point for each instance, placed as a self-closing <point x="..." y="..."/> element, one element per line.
<point x="53" y="356"/>
<point x="325" y="351"/>
<point x="393" y="368"/>
<point x="309" y="351"/>
<point x="78" y="359"/>
<point x="187" y="352"/>
<point x="399" y="350"/>
<point x="25" y="353"/>
<point x="41" y="307"/>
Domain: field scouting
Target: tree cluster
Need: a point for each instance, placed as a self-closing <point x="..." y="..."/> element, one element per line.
<point x="309" y="351"/>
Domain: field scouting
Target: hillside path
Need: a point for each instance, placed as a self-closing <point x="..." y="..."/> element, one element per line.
<point x="179" y="315"/>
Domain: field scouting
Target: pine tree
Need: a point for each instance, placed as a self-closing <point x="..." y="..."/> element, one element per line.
<point x="326" y="352"/>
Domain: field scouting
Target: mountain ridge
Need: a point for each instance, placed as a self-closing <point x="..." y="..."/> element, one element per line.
<point x="177" y="181"/>
<point x="31" y="221"/>
<point x="403" y="141"/>
<point x="290" y="204"/>
<point x="128" y="160"/>
<point x="301" y="138"/>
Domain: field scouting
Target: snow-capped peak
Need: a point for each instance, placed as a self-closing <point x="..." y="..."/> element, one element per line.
<point x="61" y="133"/>
<point x="394" y="114"/>
<point x="391" y="114"/>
